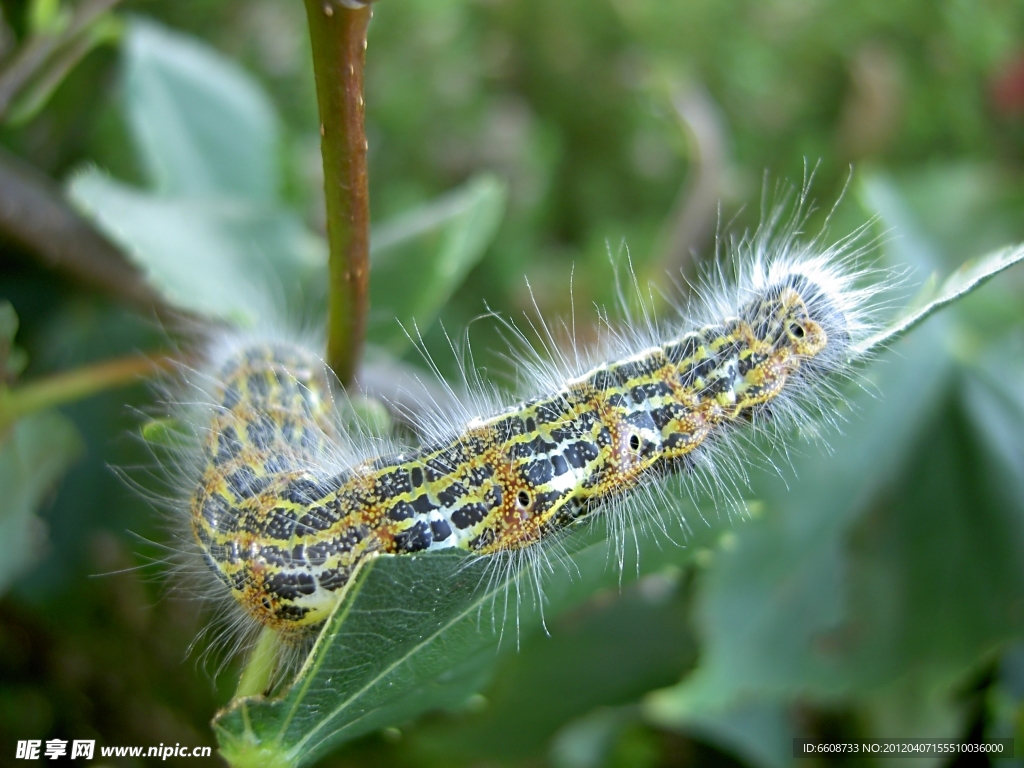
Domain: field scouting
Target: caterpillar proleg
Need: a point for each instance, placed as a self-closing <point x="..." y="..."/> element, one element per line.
<point x="285" y="505"/>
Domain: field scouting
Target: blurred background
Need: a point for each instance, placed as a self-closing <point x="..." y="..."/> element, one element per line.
<point x="876" y="591"/>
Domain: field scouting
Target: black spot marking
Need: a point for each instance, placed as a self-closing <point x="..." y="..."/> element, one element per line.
<point x="445" y="463"/>
<point x="305" y="490"/>
<point x="558" y="464"/>
<point x="478" y="474"/>
<point x="276" y="556"/>
<point x="423" y="504"/>
<point x="317" y="554"/>
<point x="277" y="463"/>
<point x="550" y="413"/>
<point x="580" y="453"/>
<point x="544" y="501"/>
<point x="644" y="392"/>
<point x="232" y="397"/>
<point x="315" y="520"/>
<point x="281" y="524"/>
<point x="510" y="427"/>
<point x="679" y="440"/>
<point x="618" y="400"/>
<point x="393" y="484"/>
<point x="568" y="431"/>
<point x="228" y="446"/>
<point x="747" y="364"/>
<point x="289" y="612"/>
<point x="639" y="369"/>
<point x="606" y="378"/>
<point x="484" y="539"/>
<point x="698" y="371"/>
<point x="219" y="514"/>
<point x="440" y="530"/>
<point x="538" y="472"/>
<point x="416" y="475"/>
<point x="261" y="432"/>
<point x="662" y="416"/>
<point x="468" y="515"/>
<point x="414" y="539"/>
<point x="641" y="420"/>
<point x="258" y="386"/>
<point x="683" y="349"/>
<point x="402" y="510"/>
<point x="334" y="578"/>
<point x="244" y="483"/>
<point x="450" y="496"/>
<point x="717" y="386"/>
<point x="536" y="446"/>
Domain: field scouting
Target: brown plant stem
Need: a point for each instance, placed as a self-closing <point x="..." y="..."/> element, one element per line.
<point x="66" y="387"/>
<point x="338" y="35"/>
<point x="34" y="215"/>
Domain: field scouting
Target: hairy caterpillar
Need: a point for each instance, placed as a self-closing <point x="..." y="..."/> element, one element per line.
<point x="286" y="506"/>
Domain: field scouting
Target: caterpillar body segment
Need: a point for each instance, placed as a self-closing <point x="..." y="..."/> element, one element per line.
<point x="284" y="530"/>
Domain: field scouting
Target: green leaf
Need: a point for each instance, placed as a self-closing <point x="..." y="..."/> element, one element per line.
<point x="637" y="636"/>
<point x="972" y="275"/>
<point x="12" y="359"/>
<point x="770" y="608"/>
<point x="34" y="454"/>
<point x="908" y="246"/>
<point x="420" y="258"/>
<point x="586" y="741"/>
<point x="417" y="633"/>
<point x="932" y="577"/>
<point x="217" y="258"/>
<point x="167" y="433"/>
<point x="203" y="126"/>
<point x="403" y="641"/>
<point x="37" y="92"/>
<point x="758" y="731"/>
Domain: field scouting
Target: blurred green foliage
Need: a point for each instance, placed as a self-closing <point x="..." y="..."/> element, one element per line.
<point x="874" y="591"/>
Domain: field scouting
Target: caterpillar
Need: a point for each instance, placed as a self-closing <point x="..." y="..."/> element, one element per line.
<point x="286" y="505"/>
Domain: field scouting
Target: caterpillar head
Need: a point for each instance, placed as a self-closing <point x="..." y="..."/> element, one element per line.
<point x="796" y="315"/>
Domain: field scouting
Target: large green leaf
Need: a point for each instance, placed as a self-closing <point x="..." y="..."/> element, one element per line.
<point x="416" y="633"/>
<point x="404" y="640"/>
<point x="217" y="258"/>
<point x="204" y="128"/>
<point x="420" y="258"/>
<point x="607" y="652"/>
<point x="34" y="454"/>
<point x="973" y="274"/>
<point x="780" y="593"/>
<point x="214" y="238"/>
<point x="902" y="614"/>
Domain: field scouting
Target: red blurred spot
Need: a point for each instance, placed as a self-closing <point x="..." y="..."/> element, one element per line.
<point x="1007" y="87"/>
